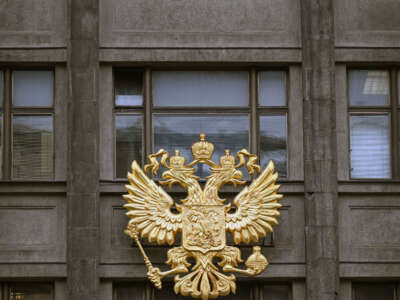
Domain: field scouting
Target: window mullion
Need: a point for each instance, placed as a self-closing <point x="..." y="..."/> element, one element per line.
<point x="253" y="116"/>
<point x="7" y="123"/>
<point x="148" y="138"/>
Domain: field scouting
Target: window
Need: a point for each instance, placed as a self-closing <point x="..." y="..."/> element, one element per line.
<point x="168" y="109"/>
<point x="137" y="291"/>
<point x="374" y="113"/>
<point x="373" y="291"/>
<point x="27" y="291"/>
<point x="27" y="124"/>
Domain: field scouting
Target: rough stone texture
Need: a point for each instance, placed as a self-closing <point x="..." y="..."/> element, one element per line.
<point x="320" y="162"/>
<point x="83" y="174"/>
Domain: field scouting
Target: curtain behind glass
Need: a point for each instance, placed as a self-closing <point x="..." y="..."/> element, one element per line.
<point x="32" y="152"/>
<point x="370" y="146"/>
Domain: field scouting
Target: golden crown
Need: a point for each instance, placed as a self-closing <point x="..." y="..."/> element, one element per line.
<point x="202" y="150"/>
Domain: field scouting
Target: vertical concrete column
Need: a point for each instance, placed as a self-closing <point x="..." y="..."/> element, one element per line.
<point x="320" y="162"/>
<point x="83" y="157"/>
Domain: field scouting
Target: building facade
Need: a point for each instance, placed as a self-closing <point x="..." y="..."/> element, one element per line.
<point x="88" y="86"/>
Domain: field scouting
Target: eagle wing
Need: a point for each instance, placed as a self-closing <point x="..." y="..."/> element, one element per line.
<point x="149" y="208"/>
<point x="256" y="208"/>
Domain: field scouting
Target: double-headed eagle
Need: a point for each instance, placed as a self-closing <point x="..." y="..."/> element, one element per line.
<point x="202" y="218"/>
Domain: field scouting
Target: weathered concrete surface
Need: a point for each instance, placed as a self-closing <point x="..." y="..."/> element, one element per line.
<point x="320" y="162"/>
<point x="83" y="176"/>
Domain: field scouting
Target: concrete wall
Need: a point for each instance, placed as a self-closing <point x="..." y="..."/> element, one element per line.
<point x="70" y="230"/>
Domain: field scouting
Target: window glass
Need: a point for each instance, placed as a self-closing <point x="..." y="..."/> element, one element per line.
<point x="370" y="146"/>
<point x="128" y="88"/>
<point x="275" y="292"/>
<point x="200" y="88"/>
<point x="1" y="88"/>
<point x="32" y="151"/>
<point x="273" y="142"/>
<point x="30" y="291"/>
<point x="369" y="88"/>
<point x="374" y="291"/>
<point x="130" y="291"/>
<point x="33" y="88"/>
<point x="1" y="145"/>
<point x="128" y="142"/>
<point x="272" y="88"/>
<point x="179" y="131"/>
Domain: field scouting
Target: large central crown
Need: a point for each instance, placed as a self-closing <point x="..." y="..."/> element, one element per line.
<point x="202" y="150"/>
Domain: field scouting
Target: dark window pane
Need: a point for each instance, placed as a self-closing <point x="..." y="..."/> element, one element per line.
<point x="200" y="88"/>
<point x="32" y="147"/>
<point x="128" y="142"/>
<point x="1" y="145"/>
<point x="181" y="131"/>
<point x="273" y="142"/>
<point x="243" y="292"/>
<point x="30" y="291"/>
<point x="370" y="146"/>
<point x="374" y="291"/>
<point x="369" y="88"/>
<point x="33" y="88"/>
<point x="272" y="88"/>
<point x="275" y="292"/>
<point x="130" y="291"/>
<point x="128" y="88"/>
<point x="1" y="88"/>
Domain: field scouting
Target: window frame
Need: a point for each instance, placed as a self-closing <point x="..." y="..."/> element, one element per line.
<point x="392" y="110"/>
<point x="253" y="109"/>
<point x="8" y="112"/>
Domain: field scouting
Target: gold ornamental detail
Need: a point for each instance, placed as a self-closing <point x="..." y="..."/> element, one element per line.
<point x="202" y="218"/>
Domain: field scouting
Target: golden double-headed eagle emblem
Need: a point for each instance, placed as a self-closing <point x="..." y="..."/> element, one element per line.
<point x="202" y="218"/>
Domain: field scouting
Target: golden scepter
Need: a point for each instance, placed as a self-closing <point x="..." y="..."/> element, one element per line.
<point x="153" y="273"/>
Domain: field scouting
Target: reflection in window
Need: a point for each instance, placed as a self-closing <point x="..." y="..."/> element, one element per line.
<point x="369" y="87"/>
<point x="273" y="142"/>
<point x="128" y="142"/>
<point x="30" y="291"/>
<point x="200" y="88"/>
<point x="370" y="146"/>
<point x="275" y="292"/>
<point x="130" y="291"/>
<point x="272" y="88"/>
<point x="32" y="88"/>
<point x="32" y="150"/>
<point x="128" y="88"/>
<point x="374" y="291"/>
<point x="178" y="131"/>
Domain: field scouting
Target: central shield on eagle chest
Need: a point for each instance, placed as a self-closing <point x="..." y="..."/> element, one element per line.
<point x="203" y="228"/>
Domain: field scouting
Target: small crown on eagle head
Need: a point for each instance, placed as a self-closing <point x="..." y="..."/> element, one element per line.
<point x="202" y="150"/>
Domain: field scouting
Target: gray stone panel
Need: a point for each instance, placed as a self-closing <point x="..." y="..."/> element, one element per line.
<point x="32" y="228"/>
<point x="369" y="228"/>
<point x="36" y="24"/>
<point x="193" y="23"/>
<point x="367" y="23"/>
